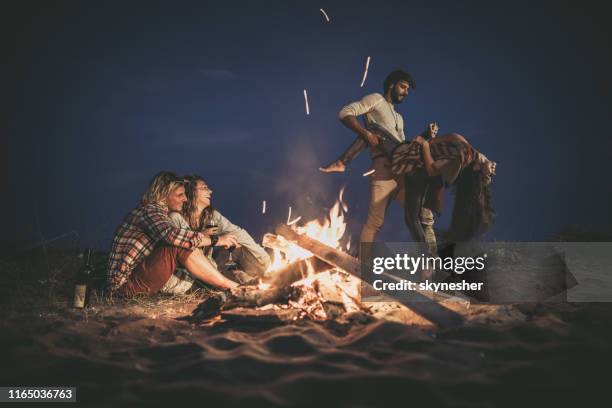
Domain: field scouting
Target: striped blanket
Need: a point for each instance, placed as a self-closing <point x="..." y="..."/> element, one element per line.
<point x="451" y="153"/>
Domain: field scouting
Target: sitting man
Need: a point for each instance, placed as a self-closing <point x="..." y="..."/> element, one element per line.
<point x="148" y="247"/>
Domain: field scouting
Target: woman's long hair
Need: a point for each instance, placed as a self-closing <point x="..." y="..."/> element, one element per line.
<point x="473" y="214"/>
<point x="196" y="221"/>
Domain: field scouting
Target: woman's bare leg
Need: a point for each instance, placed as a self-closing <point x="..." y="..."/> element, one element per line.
<point x="334" y="167"/>
<point x="339" y="166"/>
<point x="200" y="267"/>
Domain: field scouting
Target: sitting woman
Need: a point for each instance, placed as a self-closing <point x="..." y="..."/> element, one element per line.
<point x="244" y="263"/>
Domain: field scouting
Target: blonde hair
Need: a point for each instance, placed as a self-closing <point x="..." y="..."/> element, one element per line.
<point x="160" y="187"/>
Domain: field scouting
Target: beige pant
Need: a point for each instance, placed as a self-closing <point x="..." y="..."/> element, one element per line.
<point x="381" y="192"/>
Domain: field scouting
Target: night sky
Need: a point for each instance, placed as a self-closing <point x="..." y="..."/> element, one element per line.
<point x="99" y="96"/>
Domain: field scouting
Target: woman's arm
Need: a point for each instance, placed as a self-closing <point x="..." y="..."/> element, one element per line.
<point x="243" y="237"/>
<point x="427" y="158"/>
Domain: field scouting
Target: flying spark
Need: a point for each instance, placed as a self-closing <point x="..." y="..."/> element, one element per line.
<point x="306" y="101"/>
<point x="294" y="221"/>
<point x="367" y="173"/>
<point x="341" y="200"/>
<point x="365" y="74"/>
<point x="325" y="15"/>
<point x="263" y="207"/>
<point x="289" y="216"/>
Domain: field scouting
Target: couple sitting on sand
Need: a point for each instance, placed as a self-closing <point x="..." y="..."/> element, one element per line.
<point x="165" y="243"/>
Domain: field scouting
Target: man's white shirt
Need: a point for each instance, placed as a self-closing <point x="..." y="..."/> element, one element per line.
<point x="377" y="111"/>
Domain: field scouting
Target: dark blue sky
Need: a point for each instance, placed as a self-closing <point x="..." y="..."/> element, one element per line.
<point x="102" y="96"/>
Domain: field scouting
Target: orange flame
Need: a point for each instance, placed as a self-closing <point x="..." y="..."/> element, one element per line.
<point x="329" y="232"/>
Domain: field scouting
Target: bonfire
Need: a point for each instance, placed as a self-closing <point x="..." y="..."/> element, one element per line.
<point x="313" y="276"/>
<point x="315" y="287"/>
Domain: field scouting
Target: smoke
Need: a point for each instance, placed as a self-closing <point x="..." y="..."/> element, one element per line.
<point x="309" y="192"/>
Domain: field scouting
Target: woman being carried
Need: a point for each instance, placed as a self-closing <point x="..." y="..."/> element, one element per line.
<point x="429" y="163"/>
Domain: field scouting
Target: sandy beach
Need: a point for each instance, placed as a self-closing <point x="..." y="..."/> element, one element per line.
<point x="142" y="352"/>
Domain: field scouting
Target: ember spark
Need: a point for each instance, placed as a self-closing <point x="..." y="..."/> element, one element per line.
<point x="263" y="207"/>
<point x="294" y="221"/>
<point x="325" y="15"/>
<point x="306" y="102"/>
<point x="341" y="200"/>
<point x="367" y="173"/>
<point x="365" y="74"/>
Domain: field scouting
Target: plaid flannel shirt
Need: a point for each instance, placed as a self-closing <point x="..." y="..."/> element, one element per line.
<point x="144" y="228"/>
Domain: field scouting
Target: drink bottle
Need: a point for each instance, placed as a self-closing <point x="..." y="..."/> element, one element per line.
<point x="83" y="281"/>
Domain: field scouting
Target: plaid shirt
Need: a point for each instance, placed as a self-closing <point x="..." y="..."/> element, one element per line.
<point x="144" y="228"/>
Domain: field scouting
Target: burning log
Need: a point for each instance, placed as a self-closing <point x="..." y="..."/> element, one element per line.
<point x="273" y="242"/>
<point x="418" y="302"/>
<point x="327" y="295"/>
<point x="278" y="288"/>
<point x="295" y="271"/>
<point x="319" y="298"/>
<point x="324" y="252"/>
<point x="320" y="295"/>
<point x="250" y="296"/>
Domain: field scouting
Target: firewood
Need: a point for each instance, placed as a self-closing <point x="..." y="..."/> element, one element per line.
<point x="249" y="296"/>
<point x="417" y="302"/>
<point x="324" y="252"/>
<point x="295" y="271"/>
<point x="273" y="242"/>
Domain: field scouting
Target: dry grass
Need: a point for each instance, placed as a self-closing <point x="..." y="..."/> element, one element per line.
<point x="42" y="282"/>
<point x="37" y="279"/>
<point x="158" y="300"/>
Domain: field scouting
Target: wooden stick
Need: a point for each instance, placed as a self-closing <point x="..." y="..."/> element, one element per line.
<point x="273" y="242"/>
<point x="324" y="252"/>
<point x="295" y="271"/>
<point x="417" y="302"/>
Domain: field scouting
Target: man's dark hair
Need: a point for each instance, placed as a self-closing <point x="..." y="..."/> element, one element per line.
<point x="398" y="75"/>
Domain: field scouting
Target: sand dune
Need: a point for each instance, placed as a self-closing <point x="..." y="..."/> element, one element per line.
<point x="128" y="354"/>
